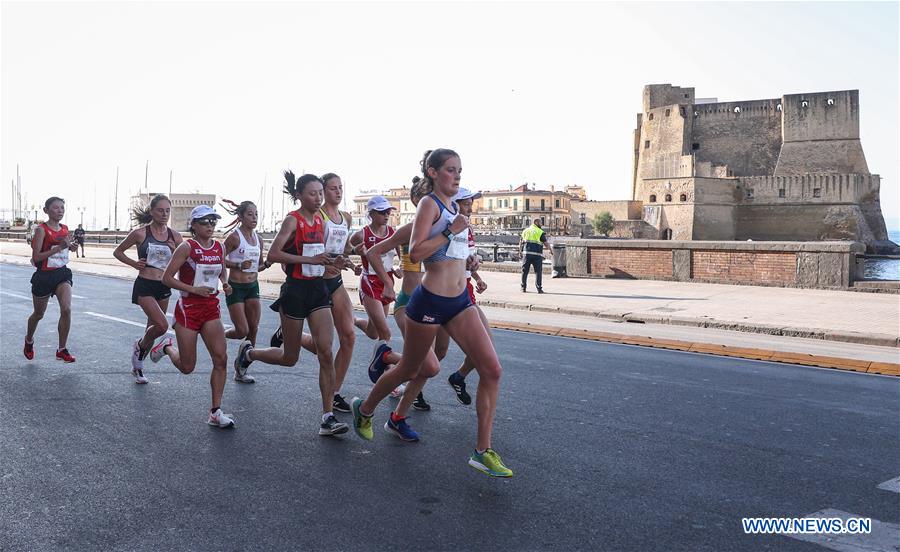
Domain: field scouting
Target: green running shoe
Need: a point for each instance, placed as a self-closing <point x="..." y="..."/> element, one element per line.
<point x="362" y="425"/>
<point x="489" y="463"/>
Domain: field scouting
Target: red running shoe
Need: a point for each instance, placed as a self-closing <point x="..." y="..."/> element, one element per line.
<point x="29" y="350"/>
<point x="64" y="356"/>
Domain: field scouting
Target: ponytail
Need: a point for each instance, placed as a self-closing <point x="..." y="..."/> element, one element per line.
<point x="141" y="214"/>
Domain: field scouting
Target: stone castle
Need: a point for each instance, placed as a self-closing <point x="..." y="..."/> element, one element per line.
<point x="789" y="168"/>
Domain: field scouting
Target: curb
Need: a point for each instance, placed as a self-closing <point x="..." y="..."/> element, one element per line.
<point x="881" y="340"/>
<point x="805" y="359"/>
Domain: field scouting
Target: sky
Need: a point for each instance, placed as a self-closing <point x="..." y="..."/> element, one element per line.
<point x="228" y="95"/>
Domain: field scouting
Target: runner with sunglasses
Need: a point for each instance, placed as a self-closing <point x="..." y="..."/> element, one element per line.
<point x="372" y="288"/>
<point x="200" y="266"/>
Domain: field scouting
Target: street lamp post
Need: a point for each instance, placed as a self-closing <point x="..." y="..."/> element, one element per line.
<point x="81" y="211"/>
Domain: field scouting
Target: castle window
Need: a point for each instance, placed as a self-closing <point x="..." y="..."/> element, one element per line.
<point x="695" y="146"/>
<point x="804" y="103"/>
<point x="667" y="112"/>
<point x="696" y="113"/>
<point x="778" y="106"/>
<point x="749" y="193"/>
<point x="781" y="192"/>
<point x="817" y="192"/>
<point x="685" y="95"/>
<point x="652" y="198"/>
<point x="682" y="197"/>
<point x="681" y="110"/>
<point x="650" y="117"/>
<point x="646" y="144"/>
<point x="737" y="109"/>
<point x="668" y="197"/>
<point x="581" y="216"/>
<point x="830" y="101"/>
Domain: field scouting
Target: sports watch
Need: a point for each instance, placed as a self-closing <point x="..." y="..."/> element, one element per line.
<point x="448" y="234"/>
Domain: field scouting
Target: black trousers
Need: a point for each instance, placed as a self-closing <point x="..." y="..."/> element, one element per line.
<point x="535" y="261"/>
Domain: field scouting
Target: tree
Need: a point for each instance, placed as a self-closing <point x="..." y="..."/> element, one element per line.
<point x="603" y="223"/>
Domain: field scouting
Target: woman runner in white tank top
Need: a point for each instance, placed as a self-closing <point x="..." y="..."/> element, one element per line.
<point x="244" y="261"/>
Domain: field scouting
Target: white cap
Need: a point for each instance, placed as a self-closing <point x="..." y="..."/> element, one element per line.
<point x="465" y="193"/>
<point x="378" y="203"/>
<point x="204" y="211"/>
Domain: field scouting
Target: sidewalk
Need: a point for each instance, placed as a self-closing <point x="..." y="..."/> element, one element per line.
<point x="766" y="321"/>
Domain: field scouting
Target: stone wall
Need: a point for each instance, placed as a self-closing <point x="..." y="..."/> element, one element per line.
<point x="620" y="210"/>
<point x="746" y="142"/>
<point x="826" y="265"/>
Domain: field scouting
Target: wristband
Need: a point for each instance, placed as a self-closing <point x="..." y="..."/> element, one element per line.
<point x="448" y="234"/>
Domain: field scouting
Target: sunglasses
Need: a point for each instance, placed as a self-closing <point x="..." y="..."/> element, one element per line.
<point x="206" y="221"/>
<point x="384" y="212"/>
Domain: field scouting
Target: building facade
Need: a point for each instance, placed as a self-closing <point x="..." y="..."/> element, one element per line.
<point x="788" y="168"/>
<point x="182" y="205"/>
<point x="514" y="209"/>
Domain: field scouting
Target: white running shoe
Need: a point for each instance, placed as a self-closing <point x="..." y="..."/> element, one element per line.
<point x="137" y="365"/>
<point x="244" y="378"/>
<point x="158" y="350"/>
<point x="219" y="419"/>
<point x="399" y="391"/>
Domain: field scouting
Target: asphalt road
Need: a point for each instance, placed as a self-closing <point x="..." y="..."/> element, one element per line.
<point x="614" y="448"/>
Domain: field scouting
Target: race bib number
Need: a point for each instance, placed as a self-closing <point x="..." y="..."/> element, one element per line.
<point x="459" y="246"/>
<point x="158" y="255"/>
<point x="311" y="250"/>
<point x="337" y="240"/>
<point x="59" y="259"/>
<point x="387" y="261"/>
<point x="207" y="275"/>
<point x="250" y="254"/>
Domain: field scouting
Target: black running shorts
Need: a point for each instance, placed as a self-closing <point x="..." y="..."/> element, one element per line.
<point x="144" y="287"/>
<point x="45" y="282"/>
<point x="298" y="298"/>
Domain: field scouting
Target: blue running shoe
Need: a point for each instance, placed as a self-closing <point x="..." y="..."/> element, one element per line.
<point x="401" y="429"/>
<point x="377" y="366"/>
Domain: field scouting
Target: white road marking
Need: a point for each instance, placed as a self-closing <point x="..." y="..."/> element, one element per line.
<point x="138" y="324"/>
<point x="11" y="294"/>
<point x="122" y="320"/>
<point x="883" y="538"/>
<point x="78" y="296"/>
<point x="892" y="485"/>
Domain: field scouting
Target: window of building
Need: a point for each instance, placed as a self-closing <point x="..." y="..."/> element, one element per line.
<point x="543" y="222"/>
<point x="695" y="146"/>
<point x="652" y="198"/>
<point x="781" y="192"/>
<point x="646" y="144"/>
<point x="490" y="204"/>
<point x="581" y="217"/>
<point x="527" y="204"/>
<point x="668" y="197"/>
<point x="650" y="117"/>
<point x="685" y="95"/>
<point x="542" y="205"/>
<point x="778" y="107"/>
<point x="804" y="103"/>
<point x="667" y="112"/>
<point x="557" y="204"/>
<point x="682" y="111"/>
<point x="830" y="101"/>
<point x="516" y="204"/>
<point x="682" y="197"/>
<point x="737" y="109"/>
<point x="817" y="192"/>
<point x="749" y="193"/>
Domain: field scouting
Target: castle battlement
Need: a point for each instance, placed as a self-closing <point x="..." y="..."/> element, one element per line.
<point x="787" y="168"/>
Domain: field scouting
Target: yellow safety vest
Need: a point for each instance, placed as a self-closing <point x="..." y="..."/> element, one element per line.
<point x="532" y="234"/>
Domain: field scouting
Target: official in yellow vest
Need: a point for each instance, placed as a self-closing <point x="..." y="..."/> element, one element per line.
<point x="533" y="242"/>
